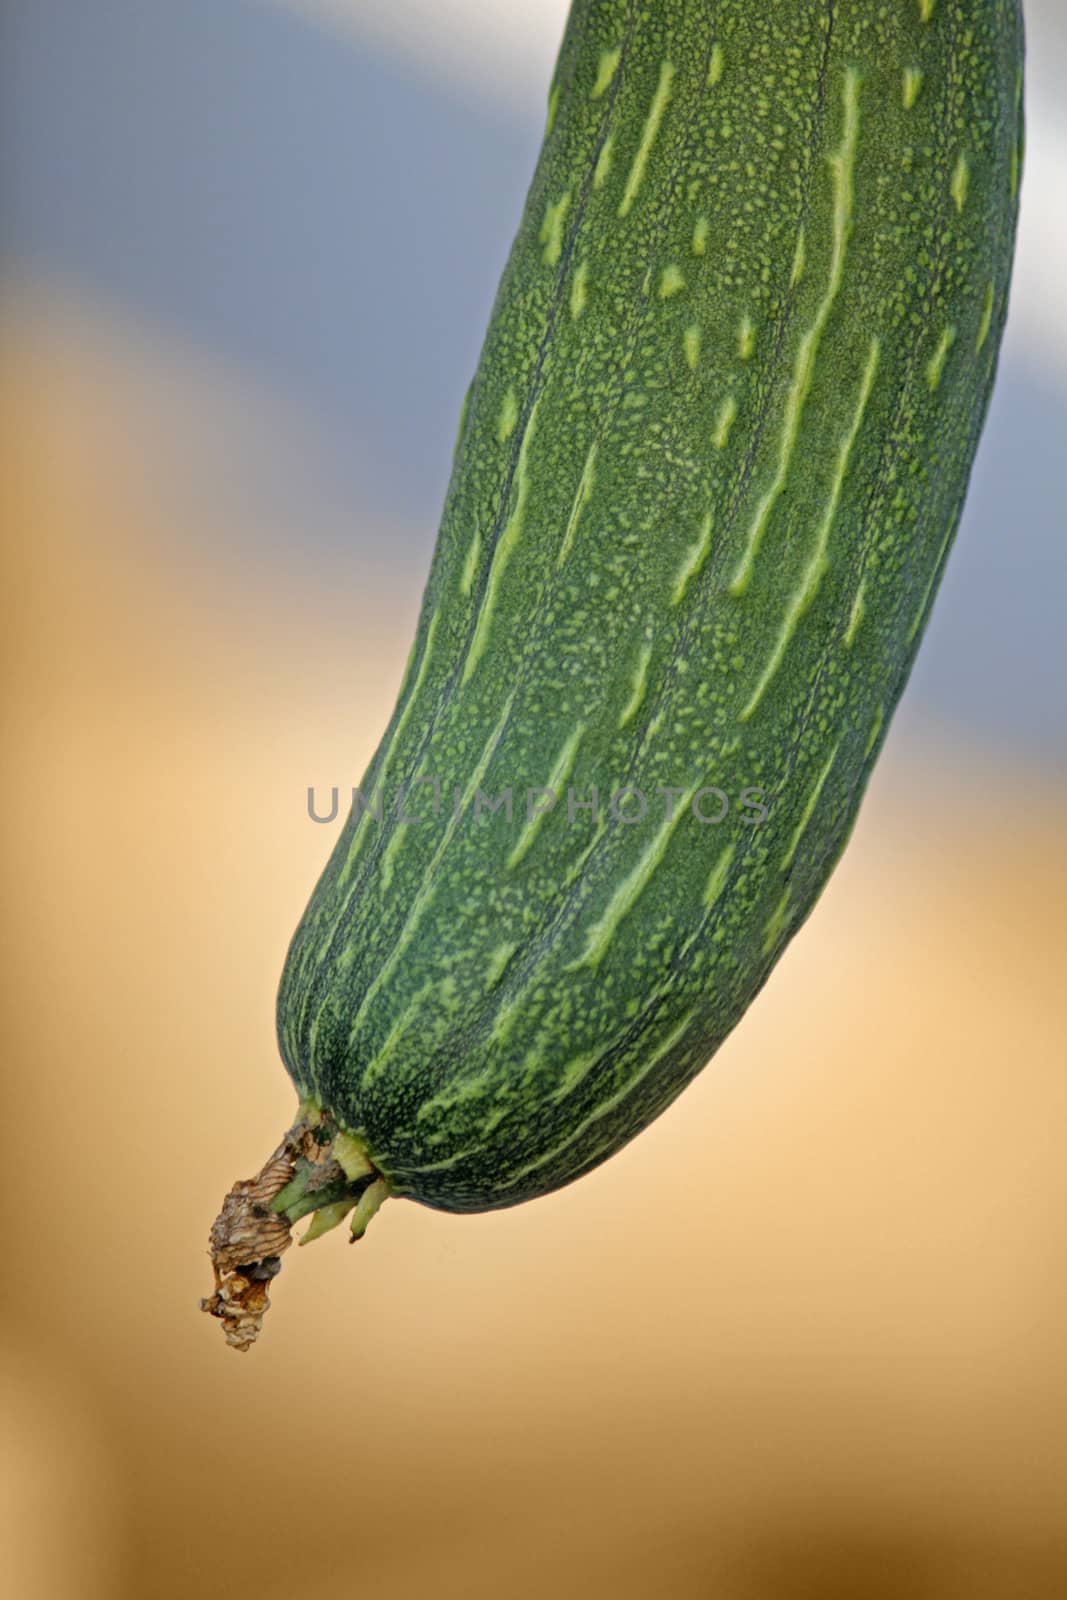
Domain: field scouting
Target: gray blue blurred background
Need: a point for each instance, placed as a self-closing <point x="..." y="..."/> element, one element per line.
<point x="805" y="1337"/>
<point x="318" y="199"/>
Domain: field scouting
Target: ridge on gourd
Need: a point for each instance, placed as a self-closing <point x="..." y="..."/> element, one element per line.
<point x="707" y="475"/>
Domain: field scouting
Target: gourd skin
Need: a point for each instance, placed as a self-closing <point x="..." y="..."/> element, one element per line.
<point x="706" y="480"/>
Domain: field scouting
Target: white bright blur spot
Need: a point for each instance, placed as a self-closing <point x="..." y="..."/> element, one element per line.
<point x="502" y="50"/>
<point x="1039" y="293"/>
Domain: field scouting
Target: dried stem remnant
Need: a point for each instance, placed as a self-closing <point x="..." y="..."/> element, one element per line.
<point x="248" y="1237"/>
<point x="316" y="1169"/>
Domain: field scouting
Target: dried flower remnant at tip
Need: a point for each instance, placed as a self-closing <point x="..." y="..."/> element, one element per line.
<point x="315" y="1169"/>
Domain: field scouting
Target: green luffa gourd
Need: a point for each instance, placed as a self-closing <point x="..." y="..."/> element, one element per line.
<point x="706" y="480"/>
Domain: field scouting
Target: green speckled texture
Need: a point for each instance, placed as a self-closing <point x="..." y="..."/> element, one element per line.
<point x="707" y="477"/>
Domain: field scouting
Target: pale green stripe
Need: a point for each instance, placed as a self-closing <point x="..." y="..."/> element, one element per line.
<point x="819" y="561"/>
<point x="935" y="367"/>
<point x="935" y="574"/>
<point x="609" y="61"/>
<point x="695" y="558"/>
<point x="809" y="808"/>
<point x="987" y="319"/>
<point x="363" y="825"/>
<point x="560" y="773"/>
<point x="648" y="137"/>
<point x="717" y="881"/>
<point x="598" y="1115"/>
<point x="503" y="552"/>
<point x="608" y="1106"/>
<point x="584" y="490"/>
<point x="724" y="422"/>
<point x="776" y="923"/>
<point x="961" y="180"/>
<point x="843" y="164"/>
<point x="638" y="686"/>
<point x="551" y="235"/>
<point x="855" y="616"/>
<point x="629" y="891"/>
<point x="470" y="566"/>
<point x="579" y="288"/>
<point x="425" y="894"/>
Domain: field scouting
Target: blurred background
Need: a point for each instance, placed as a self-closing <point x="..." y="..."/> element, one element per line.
<point x="805" y="1337"/>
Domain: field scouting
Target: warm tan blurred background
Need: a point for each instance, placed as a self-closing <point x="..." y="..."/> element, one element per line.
<point x="805" y="1338"/>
